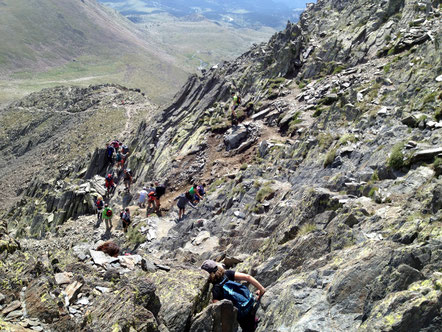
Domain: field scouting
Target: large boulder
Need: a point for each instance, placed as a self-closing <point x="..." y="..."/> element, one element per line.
<point x="217" y="317"/>
<point x="183" y="292"/>
<point x="416" y="309"/>
<point x="40" y="303"/>
<point x="133" y="307"/>
<point x="235" y="136"/>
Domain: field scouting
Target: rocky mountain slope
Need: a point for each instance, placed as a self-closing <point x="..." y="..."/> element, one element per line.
<point x="55" y="131"/>
<point x="328" y="192"/>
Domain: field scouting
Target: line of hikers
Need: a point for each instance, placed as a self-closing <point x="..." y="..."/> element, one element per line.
<point x="121" y="155"/>
<point x="104" y="212"/>
<point x="111" y="179"/>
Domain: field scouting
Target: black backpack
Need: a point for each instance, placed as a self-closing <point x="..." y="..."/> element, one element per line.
<point x="160" y="191"/>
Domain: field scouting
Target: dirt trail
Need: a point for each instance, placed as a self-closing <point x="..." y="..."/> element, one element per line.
<point x="219" y="164"/>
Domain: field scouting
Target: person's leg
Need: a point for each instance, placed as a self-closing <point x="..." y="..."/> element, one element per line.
<point x="247" y="323"/>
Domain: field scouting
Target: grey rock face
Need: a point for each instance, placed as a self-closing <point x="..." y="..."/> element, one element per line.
<point x="235" y="136"/>
<point x="218" y="317"/>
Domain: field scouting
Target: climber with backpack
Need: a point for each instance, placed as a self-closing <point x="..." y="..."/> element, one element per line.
<point x="150" y="198"/>
<point x="109" y="184"/>
<point x="160" y="190"/>
<point x="225" y="286"/>
<point x="116" y="144"/>
<point x="142" y="197"/>
<point x="127" y="178"/>
<point x="118" y="159"/>
<point x="200" y="190"/>
<point x="107" y="216"/>
<point x="125" y="149"/>
<point x="125" y="218"/>
<point x="193" y="191"/>
<point x="236" y="101"/>
<point x="109" y="153"/>
<point x="99" y="205"/>
<point x="183" y="200"/>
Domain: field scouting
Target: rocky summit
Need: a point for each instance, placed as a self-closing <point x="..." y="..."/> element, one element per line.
<point x="328" y="191"/>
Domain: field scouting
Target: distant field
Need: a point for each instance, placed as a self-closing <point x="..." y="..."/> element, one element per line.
<point x="134" y="71"/>
<point x="200" y="42"/>
<point x="47" y="43"/>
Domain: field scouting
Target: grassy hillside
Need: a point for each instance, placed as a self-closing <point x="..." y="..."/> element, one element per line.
<point x="50" y="42"/>
<point x="199" y="42"/>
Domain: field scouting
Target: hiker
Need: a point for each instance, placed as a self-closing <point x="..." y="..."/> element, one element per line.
<point x="150" y="197"/>
<point x="118" y="159"/>
<point x="226" y="287"/>
<point x="125" y="218"/>
<point x="236" y="101"/>
<point x="109" y="153"/>
<point x="125" y="149"/>
<point x="142" y="198"/>
<point x="193" y="191"/>
<point x="116" y="144"/>
<point x="123" y="159"/>
<point x="127" y="178"/>
<point x="160" y="190"/>
<point x="107" y="216"/>
<point x="99" y="205"/>
<point x="183" y="200"/>
<point x="201" y="191"/>
<point x="109" y="183"/>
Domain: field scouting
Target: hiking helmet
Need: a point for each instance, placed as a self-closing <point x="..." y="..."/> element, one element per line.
<point x="127" y="209"/>
<point x="144" y="188"/>
<point x="209" y="266"/>
<point x="106" y="205"/>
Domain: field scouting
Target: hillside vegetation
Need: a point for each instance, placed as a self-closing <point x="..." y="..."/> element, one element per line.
<point x="44" y="43"/>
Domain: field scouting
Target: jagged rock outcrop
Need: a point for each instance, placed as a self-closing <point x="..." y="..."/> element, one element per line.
<point x="217" y="317"/>
<point x="7" y="243"/>
<point x="53" y="133"/>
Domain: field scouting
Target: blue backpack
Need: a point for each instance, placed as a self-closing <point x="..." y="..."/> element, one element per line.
<point x="240" y="296"/>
